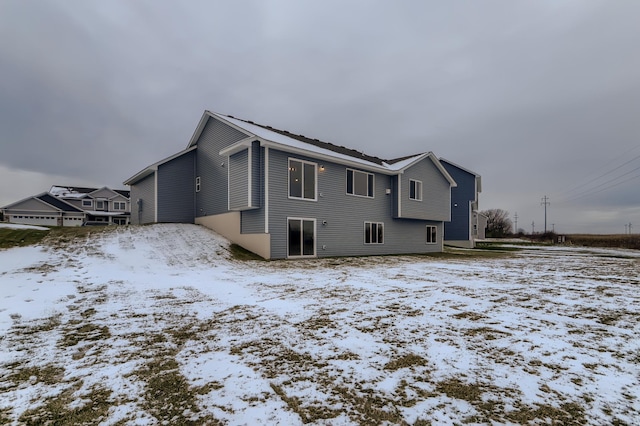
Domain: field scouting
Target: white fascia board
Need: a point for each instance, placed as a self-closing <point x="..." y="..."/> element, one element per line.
<point x="198" y="131"/>
<point x="154" y="167"/>
<point x="108" y="189"/>
<point x="235" y="148"/>
<point x="329" y="156"/>
<point x="444" y="171"/>
<point x="406" y="164"/>
<point x="403" y="165"/>
<point x="203" y="122"/>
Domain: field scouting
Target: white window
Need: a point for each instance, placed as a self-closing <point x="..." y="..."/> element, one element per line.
<point x="99" y="205"/>
<point x="415" y="190"/>
<point x="198" y="184"/>
<point x="301" y="237"/>
<point x="432" y="234"/>
<point x="359" y="183"/>
<point x="302" y="179"/>
<point x="374" y="233"/>
<point x="87" y="203"/>
<point x="119" y="205"/>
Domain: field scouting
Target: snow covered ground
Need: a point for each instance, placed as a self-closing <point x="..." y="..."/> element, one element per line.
<point x="160" y="325"/>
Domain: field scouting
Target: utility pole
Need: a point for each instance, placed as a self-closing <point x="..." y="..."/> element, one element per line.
<point x="553" y="228"/>
<point x="545" y="202"/>
<point x="515" y="231"/>
<point x="630" y="228"/>
<point x="533" y="228"/>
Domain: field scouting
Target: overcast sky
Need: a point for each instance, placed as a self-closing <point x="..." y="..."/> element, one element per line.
<point x="538" y="97"/>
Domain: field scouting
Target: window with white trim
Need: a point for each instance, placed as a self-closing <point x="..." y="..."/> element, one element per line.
<point x="374" y="233"/>
<point x="415" y="190"/>
<point x="301" y="236"/>
<point x="99" y="205"/>
<point x="359" y="183"/>
<point x="119" y="205"/>
<point x="302" y="179"/>
<point x="432" y="234"/>
<point x="197" y="183"/>
<point x="87" y="203"/>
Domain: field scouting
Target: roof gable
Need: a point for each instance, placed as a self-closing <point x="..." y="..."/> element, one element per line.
<point x="154" y="167"/>
<point x="32" y="203"/>
<point x="58" y="203"/>
<point x="104" y="192"/>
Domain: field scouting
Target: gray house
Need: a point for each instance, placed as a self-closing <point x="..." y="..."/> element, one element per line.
<point x="467" y="224"/>
<point x="71" y="206"/>
<point x="283" y="195"/>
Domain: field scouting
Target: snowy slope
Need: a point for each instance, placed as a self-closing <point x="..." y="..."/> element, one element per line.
<point x="159" y="324"/>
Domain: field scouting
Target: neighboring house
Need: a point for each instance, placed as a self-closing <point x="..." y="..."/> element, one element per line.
<point x="101" y="205"/>
<point x="283" y="195"/>
<point x="71" y="206"/>
<point x="466" y="225"/>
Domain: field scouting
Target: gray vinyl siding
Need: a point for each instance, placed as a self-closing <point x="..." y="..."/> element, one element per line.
<point x="256" y="174"/>
<point x="32" y="205"/>
<point x="78" y="204"/>
<point x="213" y="168"/>
<point x="143" y="190"/>
<point x="103" y="193"/>
<point x="176" y="189"/>
<point x="343" y="233"/>
<point x="252" y="221"/>
<point x="461" y="196"/>
<point x="239" y="180"/>
<point x="435" y="204"/>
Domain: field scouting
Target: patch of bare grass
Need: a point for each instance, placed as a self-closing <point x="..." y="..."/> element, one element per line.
<point x="38" y="326"/>
<point x="168" y="396"/>
<point x="487" y="332"/>
<point x="68" y="408"/>
<point x="85" y="332"/>
<point x="471" y="316"/>
<point x="406" y="361"/>
<point x="47" y="374"/>
<point x="20" y="237"/>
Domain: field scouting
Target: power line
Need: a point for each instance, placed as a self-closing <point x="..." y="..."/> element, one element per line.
<point x="592" y="192"/>
<point x="561" y="194"/>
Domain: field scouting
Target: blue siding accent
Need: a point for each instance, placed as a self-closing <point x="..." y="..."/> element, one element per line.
<point x="212" y="167"/>
<point x="459" y="227"/>
<point x="176" y="189"/>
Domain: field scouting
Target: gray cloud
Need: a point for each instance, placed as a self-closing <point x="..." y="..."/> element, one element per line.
<point x="534" y="96"/>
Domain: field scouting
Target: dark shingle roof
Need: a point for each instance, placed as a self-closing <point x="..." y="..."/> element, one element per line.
<point x="57" y="203"/>
<point x="82" y="190"/>
<point x="320" y="144"/>
<point x="77" y="189"/>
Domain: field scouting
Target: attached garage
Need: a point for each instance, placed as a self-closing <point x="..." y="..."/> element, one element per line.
<point x="44" y="210"/>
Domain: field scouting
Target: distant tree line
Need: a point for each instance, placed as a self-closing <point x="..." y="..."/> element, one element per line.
<point x="498" y="223"/>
